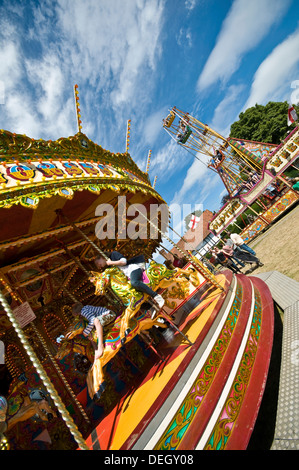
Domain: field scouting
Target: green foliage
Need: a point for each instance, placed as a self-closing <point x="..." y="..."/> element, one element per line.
<point x="264" y="123"/>
<point x="225" y="199"/>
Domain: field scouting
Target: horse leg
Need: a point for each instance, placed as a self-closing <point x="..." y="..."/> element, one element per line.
<point x="44" y="410"/>
<point x="131" y="310"/>
<point x="90" y="352"/>
<point x="25" y="412"/>
<point x="95" y="379"/>
<point x="124" y="324"/>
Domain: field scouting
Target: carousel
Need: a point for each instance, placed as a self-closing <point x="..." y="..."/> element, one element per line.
<point x="189" y="377"/>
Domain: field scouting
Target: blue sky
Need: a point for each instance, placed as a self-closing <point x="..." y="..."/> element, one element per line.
<point x="135" y="59"/>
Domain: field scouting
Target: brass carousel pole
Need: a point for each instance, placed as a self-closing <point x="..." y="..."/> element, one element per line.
<point x="112" y="298"/>
<point x="95" y="247"/>
<point x="44" y="377"/>
<point x="59" y="212"/>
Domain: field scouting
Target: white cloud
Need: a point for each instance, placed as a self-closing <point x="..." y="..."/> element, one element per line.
<point x="190" y="4"/>
<point x="10" y="70"/>
<point x="198" y="183"/>
<point x="21" y="119"/>
<point x="15" y="105"/>
<point x="184" y="37"/>
<point x="273" y="79"/>
<point x="227" y="110"/>
<point x="164" y="163"/>
<point x="109" y="48"/>
<point x="152" y="125"/>
<point x="246" y="24"/>
<point x="113" y="44"/>
<point x="47" y="78"/>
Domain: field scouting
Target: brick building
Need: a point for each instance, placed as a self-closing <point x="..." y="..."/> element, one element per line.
<point x="198" y="240"/>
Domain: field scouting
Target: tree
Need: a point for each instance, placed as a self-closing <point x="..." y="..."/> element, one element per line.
<point x="224" y="200"/>
<point x="264" y="123"/>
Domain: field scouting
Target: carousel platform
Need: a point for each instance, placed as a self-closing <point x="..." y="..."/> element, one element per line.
<point x="285" y="292"/>
<point x="205" y="395"/>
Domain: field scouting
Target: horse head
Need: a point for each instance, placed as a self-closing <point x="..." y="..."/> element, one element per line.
<point x="101" y="280"/>
<point x="114" y="279"/>
<point x="158" y="273"/>
<point x="66" y="343"/>
<point x="65" y="347"/>
<point x="75" y="328"/>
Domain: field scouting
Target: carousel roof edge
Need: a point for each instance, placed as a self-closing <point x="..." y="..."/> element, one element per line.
<point x="32" y="169"/>
<point x="14" y="147"/>
<point x="30" y="196"/>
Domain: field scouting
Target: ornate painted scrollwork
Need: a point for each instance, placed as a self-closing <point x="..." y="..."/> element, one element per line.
<point x="158" y="277"/>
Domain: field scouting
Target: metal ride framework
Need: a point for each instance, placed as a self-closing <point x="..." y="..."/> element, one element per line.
<point x="251" y="171"/>
<point x="231" y="163"/>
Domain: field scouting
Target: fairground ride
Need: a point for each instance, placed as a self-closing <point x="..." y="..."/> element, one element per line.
<point x="252" y="172"/>
<point x="190" y="377"/>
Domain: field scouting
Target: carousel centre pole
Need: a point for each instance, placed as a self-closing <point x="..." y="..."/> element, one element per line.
<point x="44" y="377"/>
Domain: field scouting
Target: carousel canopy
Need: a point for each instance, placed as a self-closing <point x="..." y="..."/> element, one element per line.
<point x="48" y="186"/>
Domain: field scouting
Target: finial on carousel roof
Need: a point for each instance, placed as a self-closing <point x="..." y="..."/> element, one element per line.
<point x="128" y="135"/>
<point x="77" y="104"/>
<point x="148" y="161"/>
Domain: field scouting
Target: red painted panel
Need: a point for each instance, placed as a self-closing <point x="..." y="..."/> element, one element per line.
<point x="244" y="425"/>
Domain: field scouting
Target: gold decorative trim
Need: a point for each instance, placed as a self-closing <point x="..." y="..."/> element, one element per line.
<point x="78" y="148"/>
<point x="29" y="196"/>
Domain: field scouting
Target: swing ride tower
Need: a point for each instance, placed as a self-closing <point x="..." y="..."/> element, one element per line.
<point x="232" y="163"/>
<point x="247" y="169"/>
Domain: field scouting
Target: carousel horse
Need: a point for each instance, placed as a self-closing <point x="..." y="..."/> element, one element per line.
<point x="112" y="344"/>
<point x="79" y="345"/>
<point x="156" y="276"/>
<point x="74" y="341"/>
<point x="23" y="404"/>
